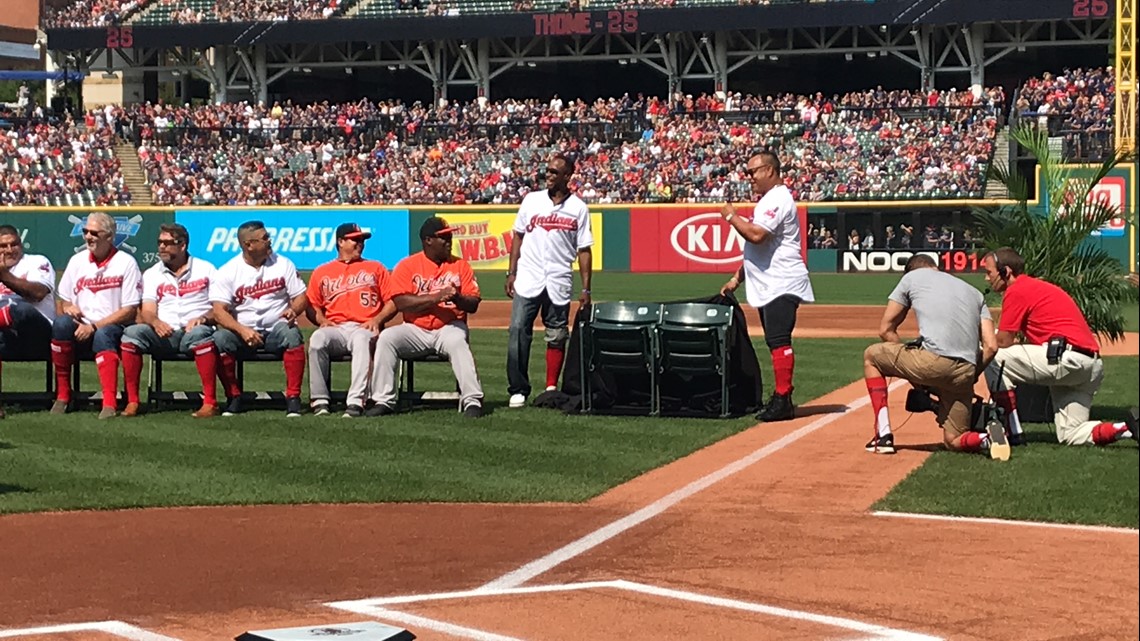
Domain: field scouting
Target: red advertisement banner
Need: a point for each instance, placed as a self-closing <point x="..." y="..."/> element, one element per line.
<point x="689" y="238"/>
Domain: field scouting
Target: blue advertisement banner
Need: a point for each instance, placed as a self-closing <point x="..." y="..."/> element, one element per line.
<point x="305" y="236"/>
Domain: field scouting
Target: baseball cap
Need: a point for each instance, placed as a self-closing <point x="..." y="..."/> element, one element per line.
<point x="352" y="230"/>
<point x="435" y="226"/>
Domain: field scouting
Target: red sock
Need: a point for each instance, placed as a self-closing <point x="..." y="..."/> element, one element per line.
<point x="1106" y="433"/>
<point x="5" y="317"/>
<point x="62" y="357"/>
<point x="1007" y="400"/>
<point x="132" y="370"/>
<point x="107" y="362"/>
<point x="970" y="442"/>
<point x="206" y="360"/>
<point x="877" y="390"/>
<point x="228" y="375"/>
<point x="783" y="364"/>
<point x="554" y="358"/>
<point x="294" y="370"/>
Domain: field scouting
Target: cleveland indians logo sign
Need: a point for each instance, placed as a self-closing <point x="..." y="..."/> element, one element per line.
<point x="125" y="228"/>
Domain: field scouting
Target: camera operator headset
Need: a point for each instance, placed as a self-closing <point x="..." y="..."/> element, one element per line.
<point x="953" y="321"/>
<point x="1060" y="351"/>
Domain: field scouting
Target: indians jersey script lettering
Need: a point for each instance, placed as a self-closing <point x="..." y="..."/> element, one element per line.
<point x="349" y="292"/>
<point x="258" y="296"/>
<point x="34" y="269"/>
<point x="552" y="237"/>
<point x="180" y="299"/>
<point x="418" y="275"/>
<point x="101" y="289"/>
<point x="775" y="267"/>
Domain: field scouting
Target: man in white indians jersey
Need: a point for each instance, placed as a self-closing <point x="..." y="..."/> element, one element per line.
<point x="257" y="298"/>
<point x="27" y="306"/>
<point x="176" y="318"/>
<point x="774" y="272"/>
<point x="552" y="229"/>
<point x="99" y="294"/>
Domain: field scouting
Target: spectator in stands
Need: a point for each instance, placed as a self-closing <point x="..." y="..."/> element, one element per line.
<point x="853" y="240"/>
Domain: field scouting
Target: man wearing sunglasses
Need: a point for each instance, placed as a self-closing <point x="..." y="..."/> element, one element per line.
<point x="99" y="293"/>
<point x="27" y="307"/>
<point x="176" y="318"/>
<point x="773" y="271"/>
<point x="551" y="231"/>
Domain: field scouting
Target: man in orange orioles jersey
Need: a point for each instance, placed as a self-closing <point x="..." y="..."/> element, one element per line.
<point x="435" y="291"/>
<point x="349" y="302"/>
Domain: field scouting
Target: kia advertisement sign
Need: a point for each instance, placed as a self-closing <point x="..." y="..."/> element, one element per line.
<point x="305" y="236"/>
<point x="690" y="238"/>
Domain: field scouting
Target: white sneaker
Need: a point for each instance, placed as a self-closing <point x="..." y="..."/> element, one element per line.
<point x="551" y="388"/>
<point x="518" y="400"/>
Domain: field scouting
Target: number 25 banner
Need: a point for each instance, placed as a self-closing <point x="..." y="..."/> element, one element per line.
<point x="690" y="238"/>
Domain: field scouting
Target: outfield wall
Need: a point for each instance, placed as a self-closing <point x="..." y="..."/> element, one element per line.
<point x="638" y="238"/>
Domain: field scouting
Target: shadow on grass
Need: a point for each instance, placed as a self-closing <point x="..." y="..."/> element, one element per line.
<point x="14" y="489"/>
<point x="6" y="446"/>
<point x="921" y="447"/>
<point x="815" y="410"/>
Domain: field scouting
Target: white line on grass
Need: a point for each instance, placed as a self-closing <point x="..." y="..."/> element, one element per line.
<point x="116" y="628"/>
<point x="605" y="533"/>
<point x="991" y="521"/>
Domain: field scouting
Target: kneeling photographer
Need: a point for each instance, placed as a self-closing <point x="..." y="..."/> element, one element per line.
<point x="953" y="321"/>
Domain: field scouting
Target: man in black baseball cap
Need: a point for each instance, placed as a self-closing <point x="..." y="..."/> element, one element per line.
<point x="436" y="227"/>
<point x="352" y="231"/>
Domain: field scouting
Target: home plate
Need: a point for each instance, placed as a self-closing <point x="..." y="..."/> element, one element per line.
<point x="367" y="631"/>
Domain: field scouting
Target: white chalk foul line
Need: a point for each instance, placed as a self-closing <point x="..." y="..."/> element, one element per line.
<point x="1106" y="529"/>
<point x="605" y="533"/>
<point x="116" y="628"/>
<point x="377" y="608"/>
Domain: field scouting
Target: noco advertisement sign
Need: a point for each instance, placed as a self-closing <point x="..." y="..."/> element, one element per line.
<point x="687" y="239"/>
<point x="305" y="236"/>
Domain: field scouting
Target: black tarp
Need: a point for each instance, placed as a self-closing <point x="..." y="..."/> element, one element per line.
<point x="680" y="396"/>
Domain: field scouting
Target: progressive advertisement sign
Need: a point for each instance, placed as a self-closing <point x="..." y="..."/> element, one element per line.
<point x="692" y="238"/>
<point x="305" y="236"/>
<point x="484" y="239"/>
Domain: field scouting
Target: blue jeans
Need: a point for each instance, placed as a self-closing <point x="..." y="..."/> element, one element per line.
<point x="523" y="312"/>
<point x="28" y="336"/>
<point x="180" y="342"/>
<point x="106" y="337"/>
<point x="278" y="339"/>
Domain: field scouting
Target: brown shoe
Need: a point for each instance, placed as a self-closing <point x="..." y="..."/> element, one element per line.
<point x="132" y="409"/>
<point x="59" y="407"/>
<point x="107" y="412"/>
<point x="206" y="411"/>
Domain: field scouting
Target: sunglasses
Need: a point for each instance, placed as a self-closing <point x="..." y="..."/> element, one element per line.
<point x="92" y="232"/>
<point x="164" y="241"/>
<point x="551" y="170"/>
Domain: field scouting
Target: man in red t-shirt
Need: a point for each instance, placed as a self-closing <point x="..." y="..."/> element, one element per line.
<point x="1040" y="311"/>
<point x="435" y="291"/>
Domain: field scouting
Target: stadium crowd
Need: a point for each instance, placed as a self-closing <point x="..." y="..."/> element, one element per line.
<point x="1077" y="104"/>
<point x="89" y="13"/>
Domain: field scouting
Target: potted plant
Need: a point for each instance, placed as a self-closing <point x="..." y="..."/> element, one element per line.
<point x="1053" y="236"/>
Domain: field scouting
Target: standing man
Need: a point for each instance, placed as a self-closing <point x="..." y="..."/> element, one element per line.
<point x="774" y="273"/>
<point x="1059" y="352"/>
<point x="99" y="294"/>
<point x="952" y="321"/>
<point x="27" y="307"/>
<point x="257" y="298"/>
<point x="349" y="302"/>
<point x="435" y="291"/>
<point x="176" y="318"/>
<point x="552" y="229"/>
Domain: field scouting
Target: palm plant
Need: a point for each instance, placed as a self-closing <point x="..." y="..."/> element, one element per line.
<point x="1051" y="237"/>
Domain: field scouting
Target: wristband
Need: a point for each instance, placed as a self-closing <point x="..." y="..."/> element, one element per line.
<point x="585" y="291"/>
<point x="509" y="274"/>
<point x="728" y="218"/>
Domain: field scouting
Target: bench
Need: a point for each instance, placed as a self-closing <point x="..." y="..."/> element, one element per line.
<point x="48" y="395"/>
<point x="408" y="396"/>
<point x="157" y="395"/>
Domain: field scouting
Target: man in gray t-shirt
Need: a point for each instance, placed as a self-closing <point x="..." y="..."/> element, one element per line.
<point x="953" y="321"/>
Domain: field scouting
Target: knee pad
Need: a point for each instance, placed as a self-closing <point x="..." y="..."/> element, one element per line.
<point x="556" y="337"/>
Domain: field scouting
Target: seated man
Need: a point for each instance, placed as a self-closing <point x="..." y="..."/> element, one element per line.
<point x="349" y="302"/>
<point x="27" y="307"/>
<point x="99" y="294"/>
<point x="1072" y="370"/>
<point x="258" y="297"/>
<point x="435" y="291"/>
<point x="952" y="320"/>
<point x="176" y="318"/>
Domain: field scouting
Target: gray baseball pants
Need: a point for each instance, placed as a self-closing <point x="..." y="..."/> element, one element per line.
<point x="409" y="341"/>
<point x="333" y="342"/>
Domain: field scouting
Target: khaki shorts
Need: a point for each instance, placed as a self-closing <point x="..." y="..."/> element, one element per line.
<point x="950" y="379"/>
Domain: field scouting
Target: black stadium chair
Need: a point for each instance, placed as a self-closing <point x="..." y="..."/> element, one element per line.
<point x="692" y="340"/>
<point x="620" y="338"/>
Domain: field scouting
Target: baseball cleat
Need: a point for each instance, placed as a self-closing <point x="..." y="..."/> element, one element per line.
<point x="551" y="388"/>
<point x="206" y="411"/>
<point x="353" y="411"/>
<point x="999" y="444"/>
<point x="233" y="407"/>
<point x="132" y="409"/>
<point x="293" y="407"/>
<point x="881" y="445"/>
<point x="59" y="407"/>
<point x="473" y="411"/>
<point x="518" y="400"/>
<point x="379" y="410"/>
<point x="320" y="409"/>
<point x="107" y="412"/>
<point x="778" y="408"/>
